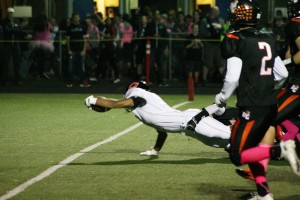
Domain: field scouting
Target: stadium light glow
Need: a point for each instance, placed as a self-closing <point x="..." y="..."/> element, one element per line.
<point x="203" y="2"/>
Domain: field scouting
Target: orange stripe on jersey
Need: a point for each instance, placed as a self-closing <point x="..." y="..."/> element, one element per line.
<point x="232" y="36"/>
<point x="237" y="123"/>
<point x="287" y="102"/>
<point x="246" y="133"/>
<point x="281" y="93"/>
<point x="296" y="20"/>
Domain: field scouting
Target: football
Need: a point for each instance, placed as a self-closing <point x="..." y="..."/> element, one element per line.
<point x="99" y="108"/>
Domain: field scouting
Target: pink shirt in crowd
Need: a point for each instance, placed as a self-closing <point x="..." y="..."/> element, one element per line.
<point x="45" y="35"/>
<point x="127" y="33"/>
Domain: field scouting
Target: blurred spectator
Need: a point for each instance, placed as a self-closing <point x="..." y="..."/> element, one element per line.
<point x="211" y="30"/>
<point x="172" y="19"/>
<point x="140" y="49"/>
<point x="26" y="60"/>
<point x="63" y="27"/>
<point x="268" y="27"/>
<point x="110" y="45"/>
<point x="117" y="23"/>
<point x="92" y="44"/>
<point x="55" y="41"/>
<point x="76" y="44"/>
<point x="126" y="36"/>
<point x="42" y="45"/>
<point x="65" y="24"/>
<point x="11" y="36"/>
<point x="118" y="50"/>
<point x="196" y="20"/>
<point x="158" y="45"/>
<point x="179" y="33"/>
<point x="180" y="25"/>
<point x="55" y="29"/>
<point x="194" y="54"/>
<point x="100" y="70"/>
<point x="189" y="23"/>
<point x="99" y="22"/>
<point x="279" y="32"/>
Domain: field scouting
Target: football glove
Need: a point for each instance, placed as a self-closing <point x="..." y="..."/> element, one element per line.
<point x="91" y="100"/>
<point x="220" y="101"/>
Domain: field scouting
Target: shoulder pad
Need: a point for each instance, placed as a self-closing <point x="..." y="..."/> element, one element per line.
<point x="229" y="45"/>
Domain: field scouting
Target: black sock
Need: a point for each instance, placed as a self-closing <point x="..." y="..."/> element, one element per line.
<point x="262" y="189"/>
<point x="201" y="115"/>
<point x="161" y="138"/>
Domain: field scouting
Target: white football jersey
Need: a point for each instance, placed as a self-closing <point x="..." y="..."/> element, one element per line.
<point x="159" y="115"/>
<point x="156" y="112"/>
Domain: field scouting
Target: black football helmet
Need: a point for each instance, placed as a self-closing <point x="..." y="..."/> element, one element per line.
<point x="140" y="84"/>
<point x="246" y="13"/>
<point x="293" y="8"/>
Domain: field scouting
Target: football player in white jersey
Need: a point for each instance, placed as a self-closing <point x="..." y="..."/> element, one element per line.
<point x="150" y="109"/>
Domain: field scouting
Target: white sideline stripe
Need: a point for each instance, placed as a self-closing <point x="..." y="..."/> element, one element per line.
<point x="70" y="159"/>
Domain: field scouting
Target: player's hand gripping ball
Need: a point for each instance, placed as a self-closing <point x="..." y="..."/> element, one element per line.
<point x="90" y="103"/>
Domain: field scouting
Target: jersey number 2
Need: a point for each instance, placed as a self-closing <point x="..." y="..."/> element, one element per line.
<point x="265" y="71"/>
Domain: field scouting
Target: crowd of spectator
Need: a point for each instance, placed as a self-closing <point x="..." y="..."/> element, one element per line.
<point x="100" y="47"/>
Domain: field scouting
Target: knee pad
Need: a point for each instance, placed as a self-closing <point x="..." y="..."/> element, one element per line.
<point x="235" y="158"/>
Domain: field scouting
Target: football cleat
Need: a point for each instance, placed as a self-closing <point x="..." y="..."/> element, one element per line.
<point x="245" y="173"/>
<point x="288" y="152"/>
<point x="255" y="196"/>
<point x="151" y="152"/>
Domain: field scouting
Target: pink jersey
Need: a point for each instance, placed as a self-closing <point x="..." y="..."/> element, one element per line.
<point x="45" y="35"/>
<point x="127" y="32"/>
<point x="42" y="40"/>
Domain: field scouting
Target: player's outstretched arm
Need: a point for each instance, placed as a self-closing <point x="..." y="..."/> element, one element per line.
<point x="109" y="103"/>
<point x="234" y="68"/>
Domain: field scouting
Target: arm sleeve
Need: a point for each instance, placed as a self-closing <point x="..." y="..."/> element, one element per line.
<point x="280" y="73"/>
<point x="231" y="82"/>
<point x="138" y="102"/>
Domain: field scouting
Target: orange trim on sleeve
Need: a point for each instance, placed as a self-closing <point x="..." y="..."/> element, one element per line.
<point x="232" y="36"/>
<point x="287" y="102"/>
<point x="296" y="20"/>
<point x="246" y="133"/>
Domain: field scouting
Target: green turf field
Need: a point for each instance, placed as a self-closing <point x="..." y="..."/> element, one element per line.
<point x="38" y="131"/>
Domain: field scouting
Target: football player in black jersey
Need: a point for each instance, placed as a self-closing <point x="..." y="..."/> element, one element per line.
<point x="252" y="66"/>
<point x="289" y="98"/>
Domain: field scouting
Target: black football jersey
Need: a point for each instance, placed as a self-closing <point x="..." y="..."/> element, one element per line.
<point x="293" y="32"/>
<point x="257" y="51"/>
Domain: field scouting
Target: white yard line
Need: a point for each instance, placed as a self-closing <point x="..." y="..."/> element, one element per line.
<point x="70" y="159"/>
